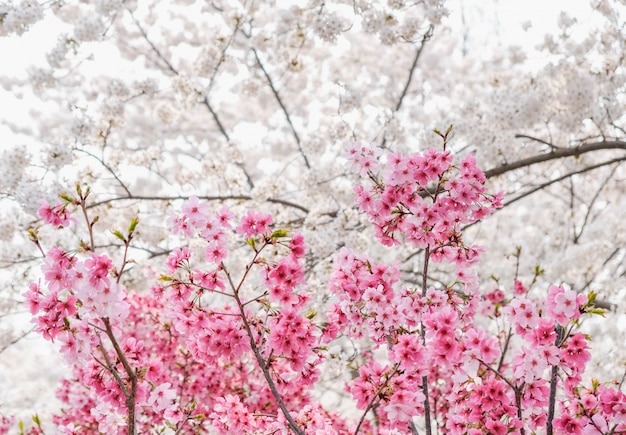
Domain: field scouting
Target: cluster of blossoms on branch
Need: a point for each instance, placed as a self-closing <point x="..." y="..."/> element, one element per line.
<point x="214" y="347"/>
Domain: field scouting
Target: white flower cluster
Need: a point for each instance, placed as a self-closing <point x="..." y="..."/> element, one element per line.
<point x="41" y="79"/>
<point x="13" y="164"/>
<point x="185" y="90"/>
<point x="58" y="156"/>
<point x="57" y="55"/>
<point x="566" y="21"/>
<point x="165" y="113"/>
<point x="82" y="129"/>
<point x="270" y="187"/>
<point x="18" y="19"/>
<point x="328" y="26"/>
<point x="112" y="111"/>
<point x="207" y="60"/>
<point x="351" y="98"/>
<point x="396" y="25"/>
<point x="117" y="88"/>
<point x="88" y="28"/>
<point x="108" y="7"/>
<point x="147" y="86"/>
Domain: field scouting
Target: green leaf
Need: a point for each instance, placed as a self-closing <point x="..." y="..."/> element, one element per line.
<point x="67" y="198"/>
<point x="33" y="234"/>
<point x="133" y="225"/>
<point x="598" y="311"/>
<point x="251" y="242"/>
<point x="119" y="235"/>
<point x="165" y="278"/>
<point x="279" y="233"/>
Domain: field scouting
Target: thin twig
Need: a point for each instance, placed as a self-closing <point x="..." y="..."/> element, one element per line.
<point x="16" y="339"/>
<point x="525" y="136"/>
<point x="578" y="234"/>
<point x="106" y="166"/>
<point x="154" y="48"/>
<point x="418" y="52"/>
<point x="282" y="106"/>
<point x="563" y="177"/>
<point x="203" y="197"/>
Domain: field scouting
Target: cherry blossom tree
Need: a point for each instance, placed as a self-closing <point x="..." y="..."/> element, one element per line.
<point x="166" y="109"/>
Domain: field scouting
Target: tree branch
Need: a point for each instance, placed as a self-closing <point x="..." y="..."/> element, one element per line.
<point x="564" y="177"/>
<point x="282" y="106"/>
<point x="556" y="154"/>
<point x="525" y="136"/>
<point x="220" y="126"/>
<point x="205" y="198"/>
<point x="154" y="48"/>
<point x="418" y="52"/>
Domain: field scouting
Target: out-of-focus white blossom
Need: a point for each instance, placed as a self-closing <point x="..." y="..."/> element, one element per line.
<point x="328" y="26"/>
<point x="17" y="19"/>
<point x="88" y="28"/>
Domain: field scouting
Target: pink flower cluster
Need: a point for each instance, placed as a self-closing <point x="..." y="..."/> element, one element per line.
<point x="217" y="348"/>
<point x="57" y="215"/>
<point x="233" y="334"/>
<point x="424" y="198"/>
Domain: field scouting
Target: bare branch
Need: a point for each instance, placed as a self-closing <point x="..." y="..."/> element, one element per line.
<point x="220" y="126"/>
<point x="16" y="339"/>
<point x="564" y="177"/>
<point x="525" y="136"/>
<point x="151" y="44"/>
<point x="407" y="85"/>
<point x="578" y="234"/>
<point x="205" y="198"/>
<point x="105" y="165"/>
<point x="282" y="106"/>
<point x="556" y="154"/>
<point x="418" y="52"/>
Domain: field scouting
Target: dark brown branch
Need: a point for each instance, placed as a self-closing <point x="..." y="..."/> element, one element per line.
<point x="154" y="48"/>
<point x="553" y="380"/>
<point x="131" y="396"/>
<point x="418" y="52"/>
<point x="222" y="130"/>
<point x="536" y="139"/>
<point x="263" y="365"/>
<point x="578" y="234"/>
<point x="564" y="177"/>
<point x="407" y="85"/>
<point x="103" y="163"/>
<point x="282" y="106"/>
<point x="556" y="154"/>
